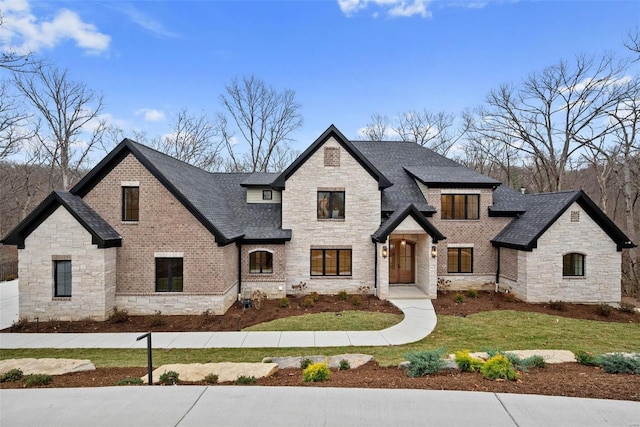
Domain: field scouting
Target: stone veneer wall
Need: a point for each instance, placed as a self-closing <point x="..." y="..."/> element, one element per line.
<point x="362" y="219"/>
<point x="93" y="272"/>
<point x="473" y="232"/>
<point x="540" y="271"/>
<point x="165" y="226"/>
<point x="270" y="283"/>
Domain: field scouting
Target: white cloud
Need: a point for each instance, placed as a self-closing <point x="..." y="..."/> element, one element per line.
<point x="150" y="24"/>
<point x="22" y="31"/>
<point x="150" y="114"/>
<point x="394" y="8"/>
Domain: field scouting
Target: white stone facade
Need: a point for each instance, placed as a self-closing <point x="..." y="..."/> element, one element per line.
<point x="93" y="274"/>
<point x="362" y="219"/>
<point x="540" y="276"/>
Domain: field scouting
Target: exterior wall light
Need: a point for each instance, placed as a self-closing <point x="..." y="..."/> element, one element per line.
<point x="385" y="251"/>
<point x="434" y="251"/>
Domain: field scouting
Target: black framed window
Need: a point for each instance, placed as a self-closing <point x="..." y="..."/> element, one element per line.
<point x="130" y="203"/>
<point x="267" y="195"/>
<point x="331" y="262"/>
<point x="260" y="262"/>
<point x="460" y="206"/>
<point x="460" y="260"/>
<point x="169" y="274"/>
<point x="330" y="204"/>
<point x="62" y="278"/>
<point x="573" y="264"/>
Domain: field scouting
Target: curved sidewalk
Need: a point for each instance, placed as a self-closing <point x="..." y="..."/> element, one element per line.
<point x="419" y="321"/>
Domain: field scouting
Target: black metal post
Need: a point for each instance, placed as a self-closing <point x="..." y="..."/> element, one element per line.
<point x="149" y="362"/>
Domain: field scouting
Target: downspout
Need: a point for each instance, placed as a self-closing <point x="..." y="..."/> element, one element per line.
<point x="239" y="245"/>
<point x="498" y="271"/>
<point x="375" y="268"/>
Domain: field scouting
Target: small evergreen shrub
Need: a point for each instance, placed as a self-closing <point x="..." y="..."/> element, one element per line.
<point x="316" y="372"/>
<point x="604" y="310"/>
<point x="472" y="293"/>
<point x="308" y="302"/>
<point x="499" y="367"/>
<point x="211" y="379"/>
<point x="509" y="297"/>
<point x="118" y="316"/>
<point x="458" y="298"/>
<point x="534" y="361"/>
<point x="129" y="381"/>
<point x="626" y="307"/>
<point x="356" y="300"/>
<point x="618" y="363"/>
<point x="157" y="319"/>
<point x="466" y="363"/>
<point x="343" y="295"/>
<point x="558" y="305"/>
<point x="170" y="378"/>
<point x="244" y="380"/>
<point x="344" y="365"/>
<point x="10" y="376"/>
<point x="587" y="359"/>
<point x="314" y="296"/>
<point x="284" y="302"/>
<point x="37" y="379"/>
<point x="305" y="362"/>
<point x="425" y="362"/>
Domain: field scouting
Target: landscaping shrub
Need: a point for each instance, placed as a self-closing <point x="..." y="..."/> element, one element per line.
<point x="558" y="305"/>
<point x="284" y="302"/>
<point x="356" y="300"/>
<point x="157" y="319"/>
<point x="472" y="293"/>
<point x="316" y="372"/>
<point x="257" y="296"/>
<point x="534" y="361"/>
<point x="518" y="363"/>
<point x="499" y="367"/>
<point x="315" y="296"/>
<point x="37" y="379"/>
<point x="618" y="363"/>
<point x="243" y="380"/>
<point x="207" y="317"/>
<point x="466" y="363"/>
<point x="10" y="376"/>
<point x="587" y="359"/>
<point x="211" y="379"/>
<point x="425" y="362"/>
<point x="343" y="295"/>
<point x="169" y="378"/>
<point x="626" y="307"/>
<point x="118" y="316"/>
<point x="458" y="298"/>
<point x="604" y="310"/>
<point x="129" y="381"/>
<point x="304" y="363"/>
<point x="344" y="365"/>
<point x="308" y="302"/>
<point x="509" y="297"/>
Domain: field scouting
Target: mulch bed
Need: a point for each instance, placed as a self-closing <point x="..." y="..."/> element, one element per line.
<point x="566" y="379"/>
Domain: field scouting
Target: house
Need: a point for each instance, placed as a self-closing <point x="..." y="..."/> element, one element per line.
<point x="145" y="232"/>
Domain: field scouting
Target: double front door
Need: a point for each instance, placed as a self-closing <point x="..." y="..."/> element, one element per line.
<point x="401" y="261"/>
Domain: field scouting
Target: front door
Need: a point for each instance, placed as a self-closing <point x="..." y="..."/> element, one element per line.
<point x="401" y="261"/>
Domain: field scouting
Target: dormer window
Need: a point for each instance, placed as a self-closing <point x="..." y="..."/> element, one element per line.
<point x="267" y="195"/>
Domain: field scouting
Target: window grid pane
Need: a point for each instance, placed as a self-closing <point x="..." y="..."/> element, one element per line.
<point x="473" y="206"/>
<point x="62" y="276"/>
<point x="131" y="203"/>
<point x="573" y="264"/>
<point x="345" y="262"/>
<point x="460" y="260"/>
<point x="316" y="262"/>
<point x="331" y="262"/>
<point x="452" y="260"/>
<point x="331" y="204"/>
<point x="447" y="206"/>
<point x="169" y="274"/>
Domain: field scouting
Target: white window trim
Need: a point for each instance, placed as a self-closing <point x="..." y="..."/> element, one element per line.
<point x="168" y="254"/>
<point x="460" y="245"/>
<point x="130" y="184"/>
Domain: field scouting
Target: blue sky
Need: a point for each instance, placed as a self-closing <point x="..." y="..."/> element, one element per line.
<point x="345" y="59"/>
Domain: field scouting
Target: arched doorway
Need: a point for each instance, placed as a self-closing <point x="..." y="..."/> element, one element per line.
<point x="401" y="261"/>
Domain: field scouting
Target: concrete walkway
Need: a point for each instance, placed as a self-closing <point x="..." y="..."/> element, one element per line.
<point x="419" y="321"/>
<point x="302" y="406"/>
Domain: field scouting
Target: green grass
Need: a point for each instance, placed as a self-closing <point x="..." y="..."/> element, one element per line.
<point x="494" y="329"/>
<point x="346" y="321"/>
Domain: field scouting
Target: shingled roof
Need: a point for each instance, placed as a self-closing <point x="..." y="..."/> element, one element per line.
<point x="542" y="210"/>
<point x="102" y="234"/>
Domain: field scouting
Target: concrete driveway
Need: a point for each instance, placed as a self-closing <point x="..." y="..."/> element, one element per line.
<point x="8" y="303"/>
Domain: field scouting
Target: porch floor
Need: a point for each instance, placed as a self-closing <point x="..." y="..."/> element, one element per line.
<point x="406" y="292"/>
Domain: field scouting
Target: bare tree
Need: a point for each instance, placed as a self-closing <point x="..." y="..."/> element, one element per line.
<point x="632" y="42"/>
<point x="13" y="129"/>
<point x="377" y="128"/>
<point x="12" y="60"/>
<point x="67" y="117"/>
<point x="282" y="157"/>
<point x="260" y="117"/>
<point x="554" y="113"/>
<point x="193" y="139"/>
<point x="427" y="128"/>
